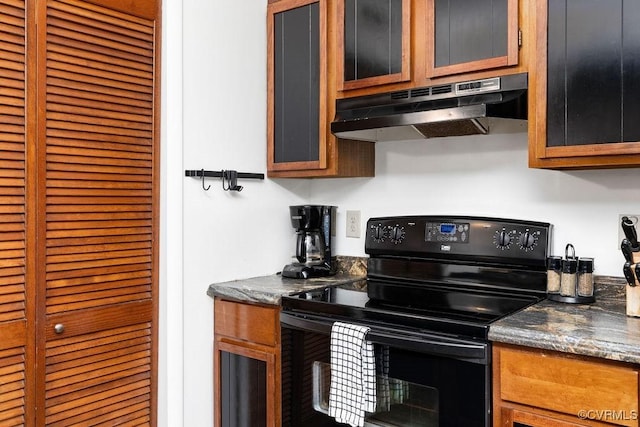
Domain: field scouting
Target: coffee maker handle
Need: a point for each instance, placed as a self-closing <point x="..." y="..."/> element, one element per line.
<point x="301" y="250"/>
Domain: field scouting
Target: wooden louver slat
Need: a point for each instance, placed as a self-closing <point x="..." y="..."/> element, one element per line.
<point x="100" y="204"/>
<point x="13" y="312"/>
<point x="127" y="43"/>
<point x="93" y="377"/>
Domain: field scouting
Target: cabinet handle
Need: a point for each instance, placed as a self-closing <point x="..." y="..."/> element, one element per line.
<point x="59" y="328"/>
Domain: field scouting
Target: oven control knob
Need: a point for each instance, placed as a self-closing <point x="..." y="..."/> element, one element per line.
<point x="528" y="240"/>
<point x="377" y="233"/>
<point x="397" y="234"/>
<point x="502" y="239"/>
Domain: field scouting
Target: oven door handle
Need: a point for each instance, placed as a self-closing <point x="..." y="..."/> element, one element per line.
<point x="423" y="343"/>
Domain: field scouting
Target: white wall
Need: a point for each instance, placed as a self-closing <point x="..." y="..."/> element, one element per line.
<point x="215" y="115"/>
<point x="488" y="175"/>
<point x="214" y="109"/>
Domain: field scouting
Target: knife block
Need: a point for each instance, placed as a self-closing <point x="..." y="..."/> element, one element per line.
<point x="633" y="296"/>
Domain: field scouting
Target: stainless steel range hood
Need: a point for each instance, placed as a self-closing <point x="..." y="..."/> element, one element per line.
<point x="464" y="108"/>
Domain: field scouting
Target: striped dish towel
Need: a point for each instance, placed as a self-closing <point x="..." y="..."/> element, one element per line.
<point x="353" y="374"/>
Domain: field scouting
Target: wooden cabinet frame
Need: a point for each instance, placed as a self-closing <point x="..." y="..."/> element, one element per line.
<point x="321" y="163"/>
<point x="273" y="376"/>
<point x="510" y="59"/>
<point x="568" y="157"/>
<point x="253" y="331"/>
<point x="545" y="388"/>
<point x="337" y="158"/>
<point x="403" y="75"/>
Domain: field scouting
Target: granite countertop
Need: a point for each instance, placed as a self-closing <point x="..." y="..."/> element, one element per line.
<point x="601" y="329"/>
<point x="269" y="289"/>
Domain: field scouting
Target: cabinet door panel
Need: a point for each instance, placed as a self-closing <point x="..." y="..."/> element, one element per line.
<point x="631" y="71"/>
<point x="472" y="36"/>
<point x="17" y="346"/>
<point x="592" y="73"/>
<point x="373" y="42"/>
<point x="593" y="79"/>
<point x="101" y="377"/>
<point x="99" y="158"/>
<point x="297" y="84"/>
<point x="98" y="150"/>
<point x="462" y="34"/>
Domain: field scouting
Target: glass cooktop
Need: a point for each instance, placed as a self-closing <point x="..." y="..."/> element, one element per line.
<point x="450" y="311"/>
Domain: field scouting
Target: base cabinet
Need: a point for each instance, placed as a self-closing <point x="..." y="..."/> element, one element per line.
<point x="246" y="364"/>
<point x="541" y="388"/>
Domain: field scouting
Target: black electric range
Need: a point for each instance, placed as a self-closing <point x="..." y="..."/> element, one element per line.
<point x="434" y="285"/>
<point x="452" y="274"/>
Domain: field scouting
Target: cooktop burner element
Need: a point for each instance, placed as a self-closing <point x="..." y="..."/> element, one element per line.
<point x="451" y="275"/>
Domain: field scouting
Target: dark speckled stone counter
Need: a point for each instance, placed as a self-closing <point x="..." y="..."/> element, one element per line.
<point x="269" y="289"/>
<point x="601" y="329"/>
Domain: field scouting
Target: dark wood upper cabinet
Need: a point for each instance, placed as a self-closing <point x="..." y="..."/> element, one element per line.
<point x="301" y="94"/>
<point x="297" y="80"/>
<point x="587" y="87"/>
<point x="468" y="36"/>
<point x="373" y="42"/>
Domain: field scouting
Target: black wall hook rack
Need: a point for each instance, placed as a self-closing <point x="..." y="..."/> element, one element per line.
<point x="229" y="178"/>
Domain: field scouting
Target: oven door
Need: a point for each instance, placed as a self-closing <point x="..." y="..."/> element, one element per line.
<point x="432" y="380"/>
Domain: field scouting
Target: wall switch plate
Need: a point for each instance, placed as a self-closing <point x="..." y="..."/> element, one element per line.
<point x="353" y="224"/>
<point x="634" y="218"/>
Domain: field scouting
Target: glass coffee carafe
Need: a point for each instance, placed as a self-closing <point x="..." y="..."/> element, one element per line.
<point x="314" y="228"/>
<point x="310" y="247"/>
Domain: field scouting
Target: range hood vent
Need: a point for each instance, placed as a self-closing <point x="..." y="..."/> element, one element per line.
<point x="456" y="109"/>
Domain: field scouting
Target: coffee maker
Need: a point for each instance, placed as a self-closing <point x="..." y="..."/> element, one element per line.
<point x="314" y="226"/>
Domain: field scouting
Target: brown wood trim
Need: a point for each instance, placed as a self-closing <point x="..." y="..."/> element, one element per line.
<point x="620" y="148"/>
<point x="510" y="59"/>
<point x="507" y="412"/>
<point x="273" y="379"/>
<point x="148" y="9"/>
<point x="538" y="81"/>
<point x="81" y="322"/>
<point x="373" y="81"/>
<point x="323" y="126"/>
<point x="14" y="334"/>
<point x="321" y="163"/>
<point x="405" y="73"/>
<point x="512" y="35"/>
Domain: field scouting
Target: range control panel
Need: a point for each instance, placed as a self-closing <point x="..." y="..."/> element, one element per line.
<point x="481" y="238"/>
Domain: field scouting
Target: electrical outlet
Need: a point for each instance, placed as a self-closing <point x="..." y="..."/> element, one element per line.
<point x="634" y="218"/>
<point x="353" y="224"/>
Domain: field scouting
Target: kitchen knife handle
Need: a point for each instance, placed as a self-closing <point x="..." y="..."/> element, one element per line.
<point x="628" y="226"/>
<point x="628" y="273"/>
<point x="625" y="247"/>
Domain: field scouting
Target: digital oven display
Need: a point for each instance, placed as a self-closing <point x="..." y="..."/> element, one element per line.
<point x="447" y="232"/>
<point x="448" y="229"/>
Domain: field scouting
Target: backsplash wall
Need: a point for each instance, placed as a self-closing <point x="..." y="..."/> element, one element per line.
<point x="487" y="175"/>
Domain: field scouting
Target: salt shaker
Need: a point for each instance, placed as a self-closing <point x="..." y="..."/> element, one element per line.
<point x="554" y="271"/>
<point x="585" y="278"/>
<point x="569" y="277"/>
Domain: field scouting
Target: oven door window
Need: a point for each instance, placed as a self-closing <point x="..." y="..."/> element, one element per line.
<point x="419" y="389"/>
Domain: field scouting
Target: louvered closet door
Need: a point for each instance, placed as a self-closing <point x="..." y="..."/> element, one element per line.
<point x="99" y="151"/>
<point x="16" y="315"/>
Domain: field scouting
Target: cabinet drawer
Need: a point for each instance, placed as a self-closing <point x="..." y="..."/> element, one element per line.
<point x="247" y="322"/>
<point x="567" y="384"/>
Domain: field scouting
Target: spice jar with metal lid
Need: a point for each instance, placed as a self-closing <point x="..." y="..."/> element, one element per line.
<point x="569" y="277"/>
<point x="585" y="277"/>
<point x="554" y="271"/>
